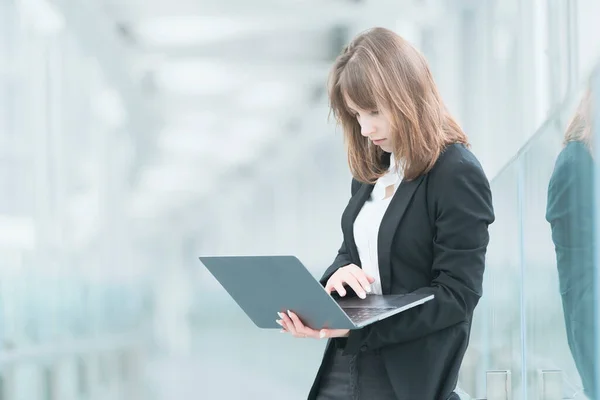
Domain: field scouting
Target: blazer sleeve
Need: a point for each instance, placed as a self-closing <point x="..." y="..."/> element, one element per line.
<point x="343" y="257"/>
<point x="462" y="210"/>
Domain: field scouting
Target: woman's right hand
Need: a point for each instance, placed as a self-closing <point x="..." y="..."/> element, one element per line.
<point x="353" y="276"/>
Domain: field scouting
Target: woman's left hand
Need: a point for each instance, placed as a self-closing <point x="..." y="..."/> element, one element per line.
<point x="292" y="324"/>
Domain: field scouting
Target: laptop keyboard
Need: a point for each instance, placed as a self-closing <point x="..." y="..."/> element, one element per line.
<point x="358" y="315"/>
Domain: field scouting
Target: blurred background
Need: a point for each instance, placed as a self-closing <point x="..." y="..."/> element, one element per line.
<point x="137" y="135"/>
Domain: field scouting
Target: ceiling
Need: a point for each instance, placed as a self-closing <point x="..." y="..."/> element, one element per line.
<point x="230" y="77"/>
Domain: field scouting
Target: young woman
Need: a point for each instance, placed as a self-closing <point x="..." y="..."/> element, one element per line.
<point x="417" y="222"/>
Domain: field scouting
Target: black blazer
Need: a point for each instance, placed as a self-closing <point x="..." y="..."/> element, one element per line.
<point x="432" y="239"/>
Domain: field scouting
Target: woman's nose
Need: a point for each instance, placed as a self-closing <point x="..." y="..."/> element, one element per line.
<point x="366" y="128"/>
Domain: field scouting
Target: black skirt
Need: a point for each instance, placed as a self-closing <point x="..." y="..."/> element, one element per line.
<point x="361" y="377"/>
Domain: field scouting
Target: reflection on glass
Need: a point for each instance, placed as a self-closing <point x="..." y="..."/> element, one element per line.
<point x="570" y="214"/>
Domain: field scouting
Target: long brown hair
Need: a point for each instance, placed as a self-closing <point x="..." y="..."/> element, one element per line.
<point x="379" y="70"/>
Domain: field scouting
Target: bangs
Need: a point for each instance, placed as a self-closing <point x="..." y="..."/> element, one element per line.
<point x="356" y="84"/>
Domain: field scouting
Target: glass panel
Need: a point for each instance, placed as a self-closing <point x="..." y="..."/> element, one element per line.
<point x="595" y="117"/>
<point x="546" y="346"/>
<point x="536" y="318"/>
<point x="495" y="340"/>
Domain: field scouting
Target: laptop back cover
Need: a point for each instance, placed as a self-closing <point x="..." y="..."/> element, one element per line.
<point x="265" y="285"/>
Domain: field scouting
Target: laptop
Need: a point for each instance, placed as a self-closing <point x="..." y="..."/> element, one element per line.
<point x="265" y="285"/>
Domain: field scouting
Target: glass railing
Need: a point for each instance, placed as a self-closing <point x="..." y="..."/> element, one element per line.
<point x="533" y="330"/>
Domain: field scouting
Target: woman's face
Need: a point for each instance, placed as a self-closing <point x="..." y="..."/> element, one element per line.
<point x="373" y="125"/>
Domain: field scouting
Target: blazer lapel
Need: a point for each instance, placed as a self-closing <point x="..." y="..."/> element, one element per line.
<point x="389" y="225"/>
<point x="354" y="206"/>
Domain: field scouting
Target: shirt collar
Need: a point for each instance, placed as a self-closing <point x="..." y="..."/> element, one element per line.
<point x="392" y="177"/>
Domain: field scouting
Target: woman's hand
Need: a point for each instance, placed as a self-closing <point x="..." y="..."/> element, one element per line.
<point x="353" y="276"/>
<point x="292" y="324"/>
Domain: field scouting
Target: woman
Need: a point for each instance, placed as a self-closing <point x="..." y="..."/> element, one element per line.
<point x="417" y="221"/>
<point x="570" y="211"/>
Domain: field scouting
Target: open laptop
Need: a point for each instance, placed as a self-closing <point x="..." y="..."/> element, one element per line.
<point x="265" y="285"/>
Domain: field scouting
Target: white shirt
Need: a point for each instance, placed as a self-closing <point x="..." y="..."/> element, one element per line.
<point x="366" y="225"/>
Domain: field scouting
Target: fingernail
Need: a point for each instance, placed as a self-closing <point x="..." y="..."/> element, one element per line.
<point x="368" y="289"/>
<point x="280" y="315"/>
<point x="362" y="295"/>
<point x="279" y="322"/>
<point x="290" y="313"/>
<point x="322" y="334"/>
<point x="282" y="331"/>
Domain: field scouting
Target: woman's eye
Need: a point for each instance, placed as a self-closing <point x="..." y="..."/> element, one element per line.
<point x="374" y="112"/>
